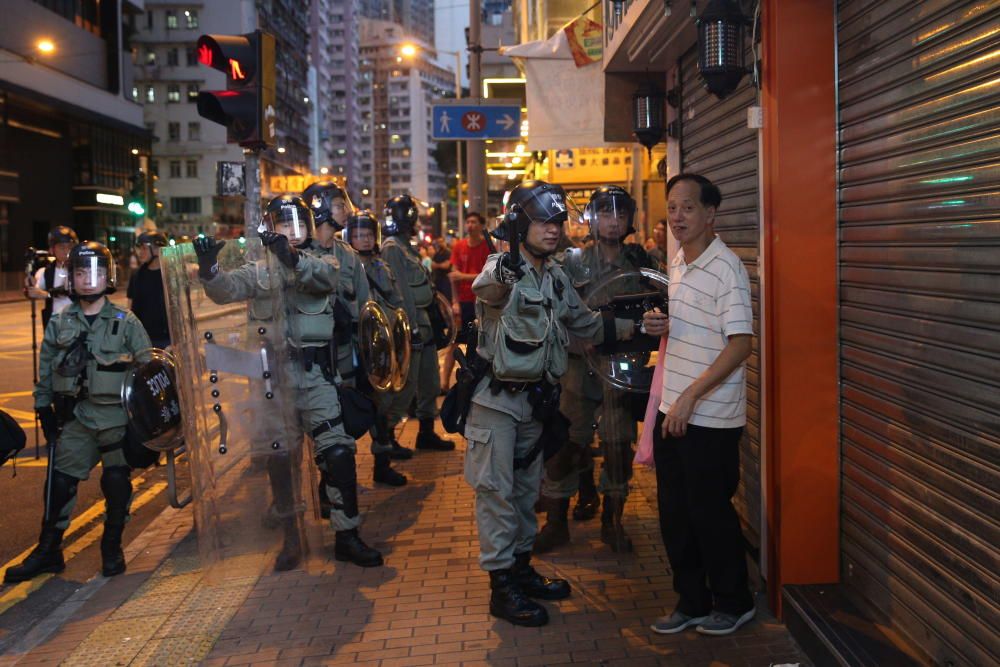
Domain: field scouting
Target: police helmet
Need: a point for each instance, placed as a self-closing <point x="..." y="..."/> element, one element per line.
<point x="152" y="238"/>
<point x="399" y="216"/>
<point x="363" y="220"/>
<point x="92" y="270"/>
<point x="615" y="202"/>
<point x="289" y="215"/>
<point x="321" y="198"/>
<point x="536" y="201"/>
<point x="62" y="234"/>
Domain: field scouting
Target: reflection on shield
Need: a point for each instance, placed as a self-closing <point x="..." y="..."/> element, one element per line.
<point x="401" y="348"/>
<point x="151" y="400"/>
<point x="628" y="294"/>
<point x="442" y="321"/>
<point x="250" y="482"/>
<point x="375" y="343"/>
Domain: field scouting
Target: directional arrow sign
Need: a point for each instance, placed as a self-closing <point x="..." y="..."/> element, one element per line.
<point x="475" y="121"/>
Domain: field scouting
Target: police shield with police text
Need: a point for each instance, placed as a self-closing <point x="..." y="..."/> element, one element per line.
<point x="527" y="308"/>
<point x="86" y="351"/>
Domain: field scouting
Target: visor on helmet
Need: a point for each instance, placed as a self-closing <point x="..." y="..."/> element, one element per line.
<point x="288" y="219"/>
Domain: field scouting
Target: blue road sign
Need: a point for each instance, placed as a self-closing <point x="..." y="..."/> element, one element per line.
<point x="472" y="121"/>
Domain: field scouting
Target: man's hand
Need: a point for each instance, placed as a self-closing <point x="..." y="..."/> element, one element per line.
<point x="207" y="249"/>
<point x="675" y="422"/>
<point x="655" y="323"/>
<point x="50" y="425"/>
<point x="282" y="249"/>
<point x="505" y="273"/>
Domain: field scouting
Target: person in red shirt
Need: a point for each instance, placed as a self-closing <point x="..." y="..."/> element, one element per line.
<point x="468" y="257"/>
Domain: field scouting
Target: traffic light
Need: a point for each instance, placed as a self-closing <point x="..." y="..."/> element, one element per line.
<point x="246" y="106"/>
<point x="137" y="195"/>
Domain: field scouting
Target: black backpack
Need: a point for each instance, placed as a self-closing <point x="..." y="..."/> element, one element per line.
<point x="12" y="437"/>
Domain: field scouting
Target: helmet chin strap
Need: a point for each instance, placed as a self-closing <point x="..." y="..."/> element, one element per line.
<point x="89" y="298"/>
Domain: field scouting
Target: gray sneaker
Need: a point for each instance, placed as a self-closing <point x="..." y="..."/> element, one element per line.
<point x="677" y="621"/>
<point x="720" y="623"/>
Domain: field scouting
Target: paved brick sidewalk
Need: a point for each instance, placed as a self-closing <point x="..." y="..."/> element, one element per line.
<point x="428" y="605"/>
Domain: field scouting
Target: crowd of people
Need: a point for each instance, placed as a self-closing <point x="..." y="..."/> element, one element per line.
<point x="527" y="402"/>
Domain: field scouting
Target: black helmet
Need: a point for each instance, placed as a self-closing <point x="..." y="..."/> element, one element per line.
<point x="289" y="210"/>
<point x="537" y="201"/>
<point x="399" y="216"/>
<point x="153" y="238"/>
<point x="612" y="199"/>
<point x="363" y="220"/>
<point x="91" y="257"/>
<point x="62" y="234"/>
<point x="320" y="198"/>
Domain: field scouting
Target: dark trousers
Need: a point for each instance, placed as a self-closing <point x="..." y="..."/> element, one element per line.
<point x="696" y="477"/>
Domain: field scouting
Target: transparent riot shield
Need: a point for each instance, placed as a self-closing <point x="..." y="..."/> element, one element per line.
<point x="401" y="348"/>
<point x="376" y="347"/>
<point x="442" y="321"/>
<point x="251" y="484"/>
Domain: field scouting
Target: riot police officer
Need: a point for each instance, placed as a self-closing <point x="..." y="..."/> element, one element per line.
<point x="85" y="353"/>
<point x="51" y="282"/>
<point x="287" y="227"/>
<point x="526" y="309"/>
<point x="586" y="401"/>
<point x="424" y="381"/>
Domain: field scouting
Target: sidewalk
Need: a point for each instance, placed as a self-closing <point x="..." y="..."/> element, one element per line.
<point x="427" y="605"/>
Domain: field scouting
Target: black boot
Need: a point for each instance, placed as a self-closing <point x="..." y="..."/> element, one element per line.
<point x="428" y="439"/>
<point x="555" y="532"/>
<point x="588" y="501"/>
<point x="46" y="557"/>
<point x="508" y="601"/>
<point x="399" y="452"/>
<point x="291" y="549"/>
<point x="383" y="434"/>
<point x="535" y="585"/>
<point x="384" y="474"/>
<point x="117" y="488"/>
<point x="350" y="547"/>
<point x="612" y="531"/>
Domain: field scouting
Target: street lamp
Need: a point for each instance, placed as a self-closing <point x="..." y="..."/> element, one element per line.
<point x="46" y="46"/>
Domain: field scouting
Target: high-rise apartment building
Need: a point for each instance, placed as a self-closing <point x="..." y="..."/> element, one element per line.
<point x="187" y="147"/>
<point x="416" y="16"/>
<point x="396" y="97"/>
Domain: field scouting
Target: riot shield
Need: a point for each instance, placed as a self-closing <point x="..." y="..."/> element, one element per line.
<point x="401" y="348"/>
<point x="152" y="402"/>
<point x="376" y="347"/>
<point x="442" y="321"/>
<point x="251" y="484"/>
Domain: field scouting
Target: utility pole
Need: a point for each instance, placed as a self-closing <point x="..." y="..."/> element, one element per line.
<point x="475" y="155"/>
<point x="251" y="207"/>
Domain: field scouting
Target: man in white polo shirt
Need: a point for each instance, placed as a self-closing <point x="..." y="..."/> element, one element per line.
<point x="702" y="415"/>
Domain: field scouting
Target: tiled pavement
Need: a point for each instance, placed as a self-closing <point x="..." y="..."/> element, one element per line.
<point x="427" y="606"/>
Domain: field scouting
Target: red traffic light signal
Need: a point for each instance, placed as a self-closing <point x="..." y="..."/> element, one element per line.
<point x="246" y="107"/>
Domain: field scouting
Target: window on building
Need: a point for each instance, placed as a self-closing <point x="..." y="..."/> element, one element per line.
<point x="173" y="93"/>
<point x="191" y="18"/>
<point x="151" y="126"/>
<point x="192" y="56"/>
<point x="171" y="19"/>
<point x="185" y="204"/>
<point x="150" y="57"/>
<point x="175" y="169"/>
<point x="191" y="168"/>
<point x="150" y="94"/>
<point x="135" y="93"/>
<point x="149" y="20"/>
<point x="194" y="131"/>
<point x="192" y="92"/>
<point x="172" y="58"/>
<point x="173" y="131"/>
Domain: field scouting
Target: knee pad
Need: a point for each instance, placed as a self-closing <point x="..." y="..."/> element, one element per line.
<point x="116" y="484"/>
<point x="338" y="462"/>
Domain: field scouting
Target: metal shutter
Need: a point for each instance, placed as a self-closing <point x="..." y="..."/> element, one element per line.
<point x="919" y="84"/>
<point x="716" y="143"/>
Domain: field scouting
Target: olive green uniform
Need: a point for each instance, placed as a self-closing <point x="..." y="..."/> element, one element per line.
<point x="500" y="426"/>
<point x="352" y="294"/>
<point x="587" y="401"/>
<point x="417" y="293"/>
<point x="309" y="287"/>
<point x="95" y="429"/>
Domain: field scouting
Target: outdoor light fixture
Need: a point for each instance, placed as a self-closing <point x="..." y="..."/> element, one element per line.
<point x="618" y="7"/>
<point x="46" y="46"/>
<point x="648" y="115"/>
<point x="721" y="53"/>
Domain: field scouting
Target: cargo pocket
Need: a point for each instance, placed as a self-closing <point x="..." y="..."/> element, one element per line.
<point x="479" y="473"/>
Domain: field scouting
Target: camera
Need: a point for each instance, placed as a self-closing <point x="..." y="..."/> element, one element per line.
<point x="35" y="259"/>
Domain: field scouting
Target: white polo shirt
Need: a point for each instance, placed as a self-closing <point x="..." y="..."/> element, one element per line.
<point x="709" y="301"/>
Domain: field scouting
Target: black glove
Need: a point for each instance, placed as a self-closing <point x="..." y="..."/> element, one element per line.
<point x="282" y="249"/>
<point x="207" y="250"/>
<point x="505" y="272"/>
<point x="50" y="425"/>
<point x="57" y="292"/>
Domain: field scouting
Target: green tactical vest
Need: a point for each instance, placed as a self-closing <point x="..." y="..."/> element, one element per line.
<point x="95" y="364"/>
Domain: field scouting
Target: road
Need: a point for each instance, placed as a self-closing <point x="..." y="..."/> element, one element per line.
<point x="21" y="495"/>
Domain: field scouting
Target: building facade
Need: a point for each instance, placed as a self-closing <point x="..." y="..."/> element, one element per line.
<point x="72" y="141"/>
<point x="415" y="16"/>
<point x="396" y="97"/>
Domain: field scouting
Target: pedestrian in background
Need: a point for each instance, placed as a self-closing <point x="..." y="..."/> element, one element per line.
<point x="468" y="257"/>
<point x="145" y="288"/>
<point x="701" y="416"/>
<point x="658" y="248"/>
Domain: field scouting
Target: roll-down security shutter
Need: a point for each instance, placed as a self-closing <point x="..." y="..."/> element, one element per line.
<point x="716" y="143"/>
<point x="919" y="104"/>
